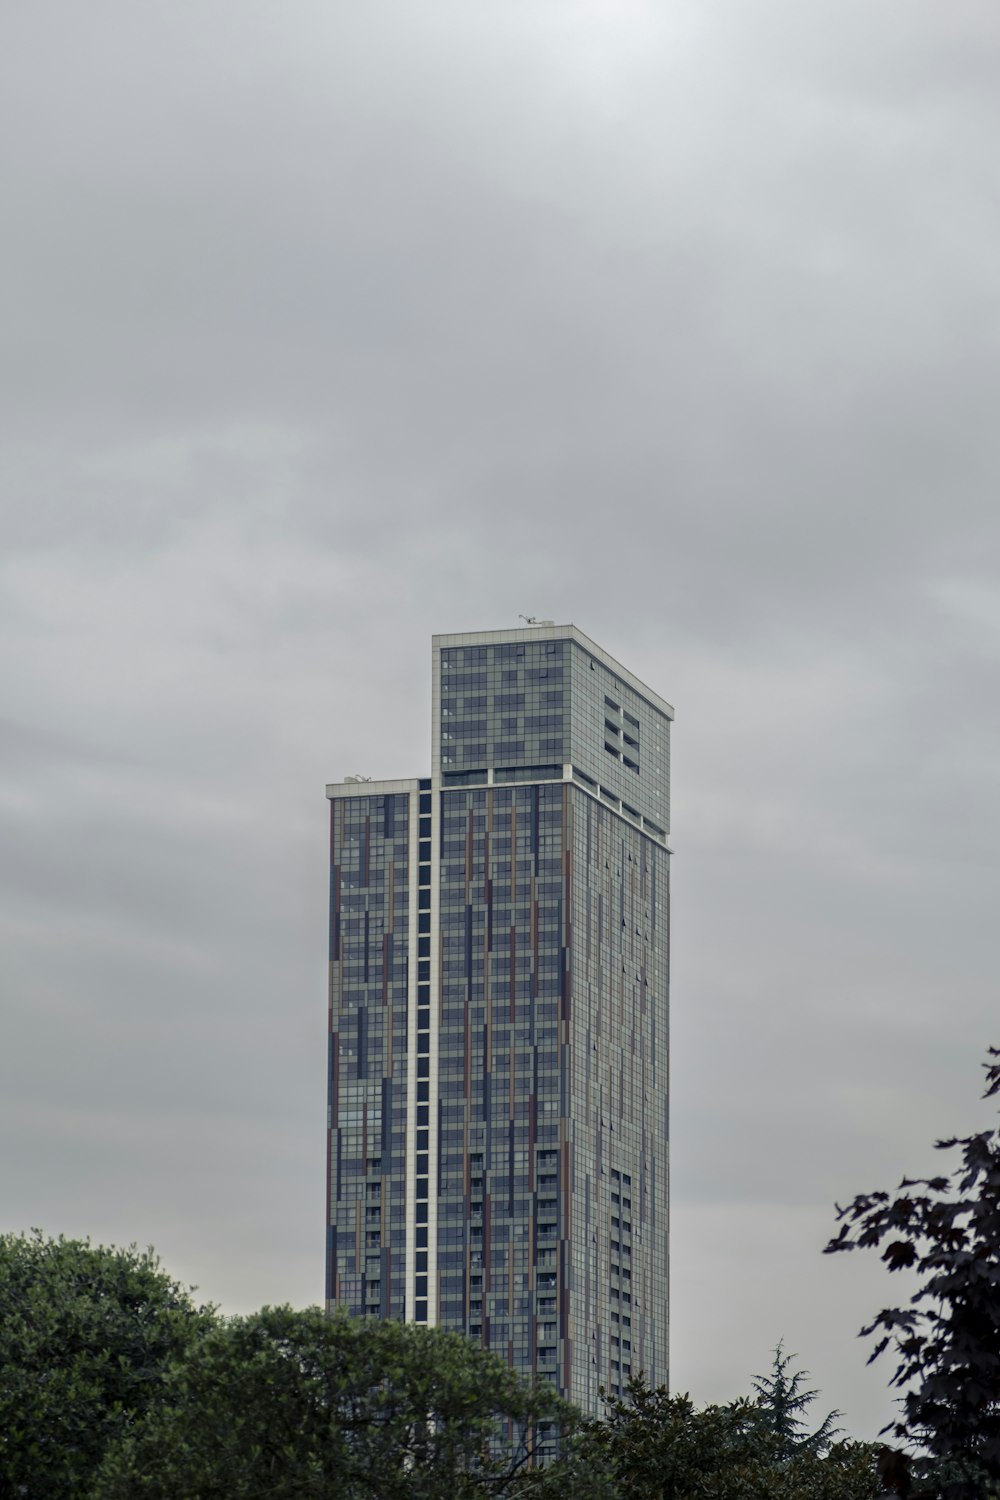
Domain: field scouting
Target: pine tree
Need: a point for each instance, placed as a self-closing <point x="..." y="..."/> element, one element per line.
<point x="781" y="1404"/>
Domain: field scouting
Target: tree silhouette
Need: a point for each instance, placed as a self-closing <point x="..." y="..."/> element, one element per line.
<point x="947" y="1339"/>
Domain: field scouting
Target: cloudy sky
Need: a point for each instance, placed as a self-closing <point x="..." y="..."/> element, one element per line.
<point x="328" y="326"/>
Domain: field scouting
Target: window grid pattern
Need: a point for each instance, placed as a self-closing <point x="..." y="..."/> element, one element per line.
<point x="503" y="705"/>
<point x="619" y="1129"/>
<point x="503" y="1173"/>
<point x="369" y="912"/>
<point x="618" y="739"/>
<point x="553" y="1180"/>
<point x="524" y="709"/>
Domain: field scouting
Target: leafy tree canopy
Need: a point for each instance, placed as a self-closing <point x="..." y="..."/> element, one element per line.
<point x="656" y="1446"/>
<point x="285" y="1404"/>
<point x="115" y="1386"/>
<point x="85" y="1336"/>
<point x="947" y="1337"/>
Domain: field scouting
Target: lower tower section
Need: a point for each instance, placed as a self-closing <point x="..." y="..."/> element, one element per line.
<point x="376" y="1076"/>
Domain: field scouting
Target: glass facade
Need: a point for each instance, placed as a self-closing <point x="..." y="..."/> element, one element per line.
<point x="370" y="899"/>
<point x="499" y="1020"/>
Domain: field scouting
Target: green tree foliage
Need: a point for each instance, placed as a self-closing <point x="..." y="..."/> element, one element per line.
<point x="655" y="1446"/>
<point x="781" y="1405"/>
<point x="285" y="1405"/>
<point x="947" y="1338"/>
<point x="85" y="1336"/>
<point x="115" y="1386"/>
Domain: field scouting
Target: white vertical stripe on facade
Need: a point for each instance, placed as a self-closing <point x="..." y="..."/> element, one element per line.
<point x="411" y="1055"/>
<point x="435" y="970"/>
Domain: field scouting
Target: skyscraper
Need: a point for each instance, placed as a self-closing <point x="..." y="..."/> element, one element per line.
<point x="499" y="946"/>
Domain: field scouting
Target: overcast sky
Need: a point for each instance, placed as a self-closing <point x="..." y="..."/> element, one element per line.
<point x="327" y="326"/>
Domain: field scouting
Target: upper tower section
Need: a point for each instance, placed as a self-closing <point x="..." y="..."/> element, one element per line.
<point x="546" y="703"/>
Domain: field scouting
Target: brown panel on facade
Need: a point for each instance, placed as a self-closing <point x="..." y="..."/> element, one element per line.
<point x="329" y="1175"/>
<point x="335" y="936"/>
<point x="467" y="1073"/>
<point x="487" y="1227"/>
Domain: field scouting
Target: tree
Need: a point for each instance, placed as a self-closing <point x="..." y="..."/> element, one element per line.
<point x="947" y="1339"/>
<point x="655" y="1446"/>
<point x="85" y="1335"/>
<point x="781" y="1404"/>
<point x="284" y="1405"/>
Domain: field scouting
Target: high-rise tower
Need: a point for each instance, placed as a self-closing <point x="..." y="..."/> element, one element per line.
<point x="499" y="946"/>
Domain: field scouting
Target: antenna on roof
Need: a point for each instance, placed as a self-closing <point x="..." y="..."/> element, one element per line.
<point x="528" y="619"/>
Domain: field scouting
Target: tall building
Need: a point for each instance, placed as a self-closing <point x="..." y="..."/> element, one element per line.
<point x="499" y="946"/>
